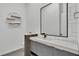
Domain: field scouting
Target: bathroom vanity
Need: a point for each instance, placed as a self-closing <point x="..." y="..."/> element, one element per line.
<point x="52" y="47"/>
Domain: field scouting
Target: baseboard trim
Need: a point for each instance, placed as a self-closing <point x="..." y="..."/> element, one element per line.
<point x="10" y="51"/>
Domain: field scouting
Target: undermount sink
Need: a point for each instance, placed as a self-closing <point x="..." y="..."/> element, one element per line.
<point x="42" y="38"/>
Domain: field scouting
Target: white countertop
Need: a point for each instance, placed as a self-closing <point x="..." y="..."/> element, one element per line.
<point x="57" y="44"/>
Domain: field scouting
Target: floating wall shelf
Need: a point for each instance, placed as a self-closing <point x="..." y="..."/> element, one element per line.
<point x="13" y="18"/>
<point x="14" y="22"/>
<point x="10" y="19"/>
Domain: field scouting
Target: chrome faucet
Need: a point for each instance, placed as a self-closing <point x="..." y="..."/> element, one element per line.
<point x="45" y="35"/>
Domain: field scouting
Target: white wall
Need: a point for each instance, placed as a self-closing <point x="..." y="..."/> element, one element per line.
<point x="33" y="22"/>
<point x="12" y="38"/>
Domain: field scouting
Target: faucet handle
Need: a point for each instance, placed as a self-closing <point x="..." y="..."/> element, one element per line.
<point x="42" y="33"/>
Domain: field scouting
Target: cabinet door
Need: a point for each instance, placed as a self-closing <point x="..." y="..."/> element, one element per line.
<point x="34" y="47"/>
<point x="44" y="50"/>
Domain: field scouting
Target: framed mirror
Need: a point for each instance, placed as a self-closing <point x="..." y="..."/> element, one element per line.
<point x="54" y="19"/>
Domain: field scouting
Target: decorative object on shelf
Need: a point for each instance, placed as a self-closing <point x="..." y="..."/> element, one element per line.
<point x="13" y="18"/>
